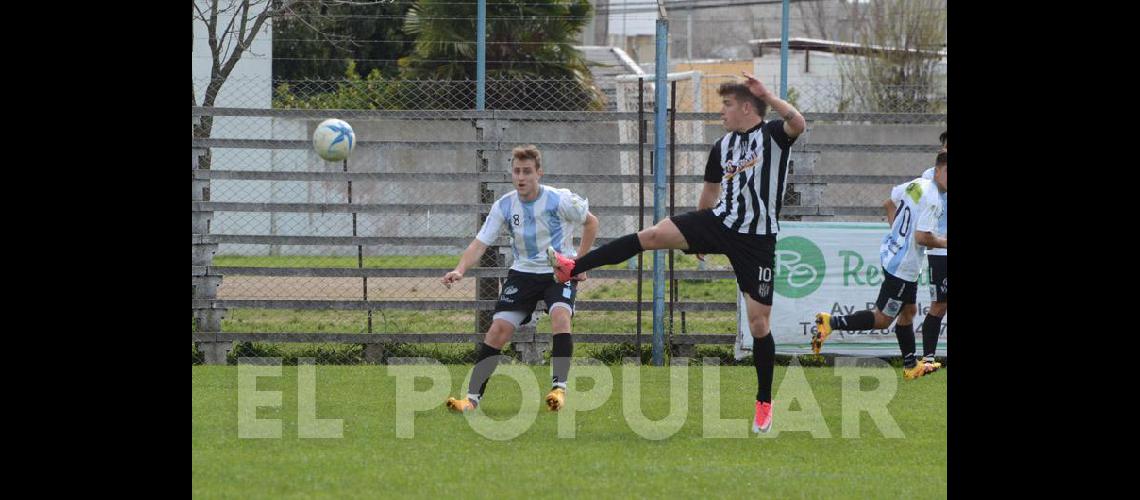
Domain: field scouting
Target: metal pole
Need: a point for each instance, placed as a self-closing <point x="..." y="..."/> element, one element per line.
<point x="641" y="136"/>
<point x="359" y="248"/>
<point x="672" y="193"/>
<point x="784" y="53"/>
<point x="481" y="57"/>
<point x="660" y="104"/>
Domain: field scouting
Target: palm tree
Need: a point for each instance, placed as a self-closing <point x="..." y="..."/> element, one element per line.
<point x="531" y="61"/>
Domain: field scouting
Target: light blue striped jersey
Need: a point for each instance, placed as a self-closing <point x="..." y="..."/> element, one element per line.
<point x="941" y="230"/>
<point x="549" y="220"/>
<point x="919" y="207"/>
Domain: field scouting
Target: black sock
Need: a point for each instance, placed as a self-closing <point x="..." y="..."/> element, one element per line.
<point x="560" y="358"/>
<point x="614" y="252"/>
<point x="905" y="334"/>
<point x="764" y="359"/>
<point x="862" y="320"/>
<point x="930" y="328"/>
<point x="483" y="371"/>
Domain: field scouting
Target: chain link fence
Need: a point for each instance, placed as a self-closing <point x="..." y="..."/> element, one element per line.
<point x="295" y="256"/>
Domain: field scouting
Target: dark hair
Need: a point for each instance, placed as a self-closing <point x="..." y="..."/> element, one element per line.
<point x="742" y="94"/>
<point x="528" y="152"/>
<point x="942" y="138"/>
<point x="941" y="160"/>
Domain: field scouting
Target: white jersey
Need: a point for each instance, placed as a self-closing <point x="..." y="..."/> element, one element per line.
<point x="549" y="220"/>
<point x="919" y="207"/>
<point x="941" y="230"/>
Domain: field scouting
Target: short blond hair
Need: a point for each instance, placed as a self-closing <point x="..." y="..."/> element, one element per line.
<point x="528" y="152"/>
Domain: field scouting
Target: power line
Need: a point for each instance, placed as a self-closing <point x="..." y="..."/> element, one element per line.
<point x="513" y="4"/>
<point x="722" y="20"/>
<point x="521" y="17"/>
<point x="413" y="41"/>
<point x="641" y="5"/>
<point x="472" y="61"/>
<point x="632" y="7"/>
<point x="676" y="7"/>
<point x="646" y="14"/>
<point x="471" y="42"/>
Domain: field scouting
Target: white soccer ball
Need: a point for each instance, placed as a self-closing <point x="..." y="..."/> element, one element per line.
<point x="334" y="139"/>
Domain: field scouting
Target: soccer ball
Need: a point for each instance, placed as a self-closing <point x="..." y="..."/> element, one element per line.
<point x="334" y="139"/>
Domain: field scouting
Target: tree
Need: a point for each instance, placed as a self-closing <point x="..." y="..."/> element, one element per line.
<point x="526" y="40"/>
<point x="317" y="41"/>
<point x="835" y="20"/>
<point x="228" y="45"/>
<point x="902" y="79"/>
<point x="894" y="69"/>
<point x="352" y="92"/>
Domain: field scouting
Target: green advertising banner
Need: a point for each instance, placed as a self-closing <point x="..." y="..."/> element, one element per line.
<point x="833" y="267"/>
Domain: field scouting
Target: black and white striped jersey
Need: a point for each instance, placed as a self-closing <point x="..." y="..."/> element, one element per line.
<point x="752" y="169"/>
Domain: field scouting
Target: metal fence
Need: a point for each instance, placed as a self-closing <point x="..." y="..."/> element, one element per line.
<point x="295" y="256"/>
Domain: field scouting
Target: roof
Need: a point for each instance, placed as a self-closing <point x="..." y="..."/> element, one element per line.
<point x="606" y="63"/>
<point x="830" y="46"/>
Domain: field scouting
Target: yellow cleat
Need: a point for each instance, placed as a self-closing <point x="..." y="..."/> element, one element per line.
<point x="556" y="399"/>
<point x="460" y="405"/>
<point x="823" y="330"/>
<point x="932" y="366"/>
<point x="915" y="372"/>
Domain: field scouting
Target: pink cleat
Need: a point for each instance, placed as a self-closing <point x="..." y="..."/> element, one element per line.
<point x="563" y="266"/>
<point x="763" y="420"/>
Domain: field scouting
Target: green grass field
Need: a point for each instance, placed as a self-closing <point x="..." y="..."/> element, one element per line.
<point x="606" y="458"/>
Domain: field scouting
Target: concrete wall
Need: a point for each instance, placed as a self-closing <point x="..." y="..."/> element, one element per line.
<point x="462" y="225"/>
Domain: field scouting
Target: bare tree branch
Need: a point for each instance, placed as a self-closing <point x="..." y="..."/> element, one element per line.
<point x="895" y="69"/>
<point x="232" y="40"/>
<point x="232" y="6"/>
<point x="199" y="14"/>
<point x="252" y="33"/>
<point x="322" y="34"/>
<point x="244" y="19"/>
<point x="226" y="35"/>
<point x="212" y="37"/>
<point x="230" y="24"/>
<point x="195" y="15"/>
<point x="813" y="15"/>
<point x="349" y="2"/>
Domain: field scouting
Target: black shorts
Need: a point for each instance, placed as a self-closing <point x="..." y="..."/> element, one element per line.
<point x="753" y="256"/>
<point x="895" y="293"/>
<point x="937" y="277"/>
<point x="522" y="291"/>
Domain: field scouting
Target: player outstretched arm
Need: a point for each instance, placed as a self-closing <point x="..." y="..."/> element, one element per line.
<point x="589" y="233"/>
<point x="929" y="240"/>
<point x="709" y="195"/>
<point x="794" y="123"/>
<point x="469" y="258"/>
<point x="891" y="208"/>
